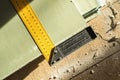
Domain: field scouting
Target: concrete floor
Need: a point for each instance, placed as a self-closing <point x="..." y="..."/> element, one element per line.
<point x="108" y="69"/>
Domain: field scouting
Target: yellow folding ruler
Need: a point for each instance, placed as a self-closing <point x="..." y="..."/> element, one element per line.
<point x="34" y="26"/>
<point x="52" y="53"/>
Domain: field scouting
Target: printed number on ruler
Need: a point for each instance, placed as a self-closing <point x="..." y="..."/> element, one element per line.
<point x="34" y="26"/>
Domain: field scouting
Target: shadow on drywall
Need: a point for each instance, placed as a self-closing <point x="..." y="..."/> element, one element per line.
<point x="7" y="12"/>
<point x="26" y="70"/>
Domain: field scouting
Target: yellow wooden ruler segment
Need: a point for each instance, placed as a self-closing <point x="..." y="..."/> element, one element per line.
<point x="34" y="26"/>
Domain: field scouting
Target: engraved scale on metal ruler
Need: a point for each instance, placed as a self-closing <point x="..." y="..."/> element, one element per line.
<point x="52" y="53"/>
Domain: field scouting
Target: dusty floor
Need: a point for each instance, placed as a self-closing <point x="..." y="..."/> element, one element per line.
<point x="107" y="27"/>
<point x="108" y="69"/>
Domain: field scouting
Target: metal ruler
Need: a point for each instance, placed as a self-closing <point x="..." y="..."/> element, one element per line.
<point x="34" y="26"/>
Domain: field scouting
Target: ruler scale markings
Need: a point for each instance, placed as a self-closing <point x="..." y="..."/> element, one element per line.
<point x="34" y="26"/>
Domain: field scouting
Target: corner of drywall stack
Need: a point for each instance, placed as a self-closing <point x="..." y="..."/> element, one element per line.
<point x="60" y="18"/>
<point x="87" y="8"/>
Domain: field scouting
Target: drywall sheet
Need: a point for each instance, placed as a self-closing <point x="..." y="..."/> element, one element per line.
<point x="59" y="17"/>
<point x="16" y="45"/>
<point x="85" y="6"/>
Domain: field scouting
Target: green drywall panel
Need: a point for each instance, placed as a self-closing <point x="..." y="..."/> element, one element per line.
<point x="59" y="17"/>
<point x="16" y="45"/>
<point x="85" y="6"/>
